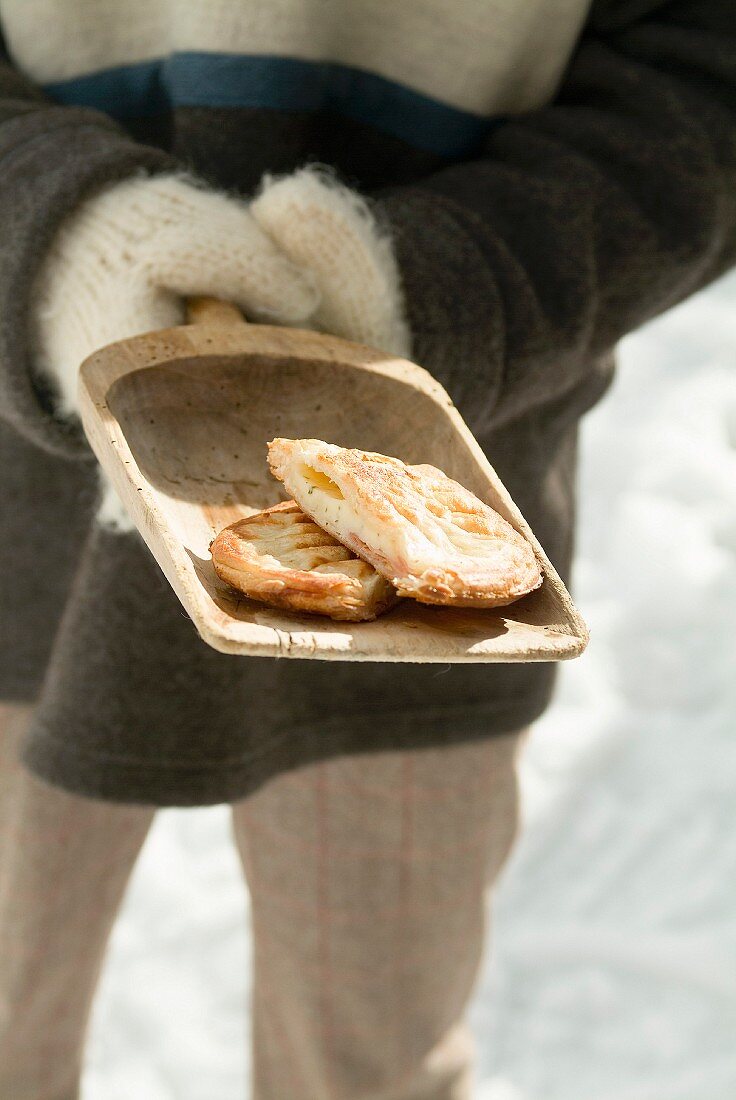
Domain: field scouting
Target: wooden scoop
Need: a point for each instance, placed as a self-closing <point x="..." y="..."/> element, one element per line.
<point x="180" y="418"/>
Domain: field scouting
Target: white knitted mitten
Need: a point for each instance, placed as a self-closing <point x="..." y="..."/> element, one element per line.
<point x="331" y="231"/>
<point x="123" y="262"/>
<point x="307" y="251"/>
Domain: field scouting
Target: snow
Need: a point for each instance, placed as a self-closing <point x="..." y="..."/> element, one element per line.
<point x="613" y="971"/>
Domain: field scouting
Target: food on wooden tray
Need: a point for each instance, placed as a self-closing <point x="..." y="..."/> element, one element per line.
<point x="282" y="558"/>
<point x="434" y="540"/>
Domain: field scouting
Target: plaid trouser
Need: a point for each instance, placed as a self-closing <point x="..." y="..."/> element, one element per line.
<point x="368" y="878"/>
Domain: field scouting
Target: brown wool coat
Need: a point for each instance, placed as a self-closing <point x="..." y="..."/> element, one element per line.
<point x="523" y="263"/>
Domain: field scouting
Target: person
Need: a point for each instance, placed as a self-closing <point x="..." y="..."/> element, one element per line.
<point x="501" y="190"/>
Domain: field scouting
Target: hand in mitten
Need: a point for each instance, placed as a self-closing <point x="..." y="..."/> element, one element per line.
<point x="331" y="231"/>
<point x="307" y="251"/>
<point x="123" y="263"/>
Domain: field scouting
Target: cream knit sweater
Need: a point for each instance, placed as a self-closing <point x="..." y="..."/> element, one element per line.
<point x="307" y="251"/>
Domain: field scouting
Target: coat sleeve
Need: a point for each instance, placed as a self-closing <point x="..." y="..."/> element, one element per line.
<point x="51" y="159"/>
<point x="581" y="220"/>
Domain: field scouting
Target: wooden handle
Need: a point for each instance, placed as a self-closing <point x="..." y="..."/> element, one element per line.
<point x="212" y="311"/>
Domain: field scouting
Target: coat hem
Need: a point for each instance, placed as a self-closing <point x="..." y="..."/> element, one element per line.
<point x="130" y="780"/>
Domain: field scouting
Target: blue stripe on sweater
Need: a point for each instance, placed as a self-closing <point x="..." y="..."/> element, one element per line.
<point x="277" y="83"/>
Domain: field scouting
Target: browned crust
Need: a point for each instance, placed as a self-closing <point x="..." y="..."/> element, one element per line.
<point x="388" y="492"/>
<point x="245" y="556"/>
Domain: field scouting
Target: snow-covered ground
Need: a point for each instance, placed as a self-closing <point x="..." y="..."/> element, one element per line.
<point x="613" y="975"/>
